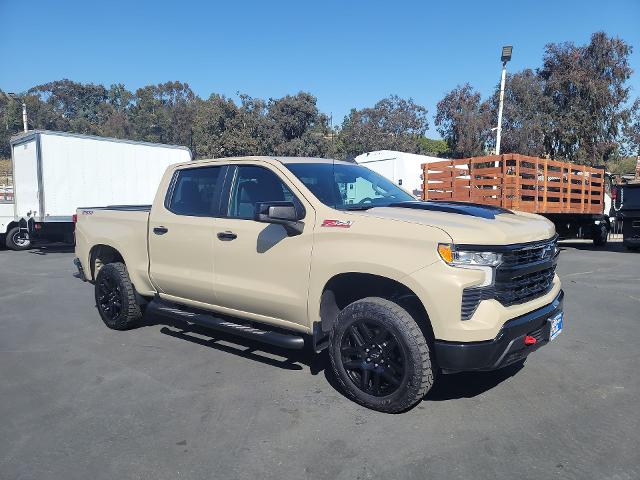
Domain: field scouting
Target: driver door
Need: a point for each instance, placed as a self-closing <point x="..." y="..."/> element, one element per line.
<point x="259" y="269"/>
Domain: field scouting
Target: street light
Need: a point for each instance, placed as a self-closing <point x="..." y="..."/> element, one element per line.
<point x="505" y="57"/>
<point x="24" y="110"/>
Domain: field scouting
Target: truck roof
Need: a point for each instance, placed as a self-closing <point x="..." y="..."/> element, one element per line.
<point x="283" y="160"/>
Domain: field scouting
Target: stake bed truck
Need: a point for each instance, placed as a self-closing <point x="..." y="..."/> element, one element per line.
<point x="288" y="250"/>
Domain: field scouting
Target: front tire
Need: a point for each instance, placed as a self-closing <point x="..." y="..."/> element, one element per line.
<point x="115" y="297"/>
<point x="380" y="356"/>
<point x="17" y="240"/>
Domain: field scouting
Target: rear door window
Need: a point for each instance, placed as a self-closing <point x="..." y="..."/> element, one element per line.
<point x="196" y="191"/>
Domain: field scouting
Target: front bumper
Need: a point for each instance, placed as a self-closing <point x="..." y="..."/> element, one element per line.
<point x="508" y="346"/>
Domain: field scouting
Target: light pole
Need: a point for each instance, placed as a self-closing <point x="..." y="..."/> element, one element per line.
<point x="506" y="56"/>
<point x="24" y="110"/>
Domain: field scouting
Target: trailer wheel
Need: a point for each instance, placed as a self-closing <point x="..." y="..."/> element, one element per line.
<point x="17" y="240"/>
<point x="115" y="297"/>
<point x="600" y="234"/>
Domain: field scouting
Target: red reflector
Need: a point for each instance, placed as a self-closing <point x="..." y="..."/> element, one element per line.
<point x="37" y="226"/>
<point x="529" y="340"/>
<point x="75" y="218"/>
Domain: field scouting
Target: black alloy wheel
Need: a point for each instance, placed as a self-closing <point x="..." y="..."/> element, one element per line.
<point x="116" y="298"/>
<point x="109" y="298"/>
<point x="373" y="358"/>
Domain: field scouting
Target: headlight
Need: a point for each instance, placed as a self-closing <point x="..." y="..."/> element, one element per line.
<point x="461" y="258"/>
<point x="484" y="261"/>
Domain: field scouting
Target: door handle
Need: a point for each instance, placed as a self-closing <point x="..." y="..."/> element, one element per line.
<point x="160" y="230"/>
<point x="227" y="236"/>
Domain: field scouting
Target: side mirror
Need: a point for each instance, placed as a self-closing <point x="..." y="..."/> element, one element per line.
<point x="287" y="214"/>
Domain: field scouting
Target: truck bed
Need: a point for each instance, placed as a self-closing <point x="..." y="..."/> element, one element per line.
<point x="120" y="227"/>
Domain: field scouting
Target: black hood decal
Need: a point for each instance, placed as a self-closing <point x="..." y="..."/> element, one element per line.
<point x="461" y="208"/>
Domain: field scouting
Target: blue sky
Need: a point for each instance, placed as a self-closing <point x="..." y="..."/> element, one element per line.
<point x="347" y="53"/>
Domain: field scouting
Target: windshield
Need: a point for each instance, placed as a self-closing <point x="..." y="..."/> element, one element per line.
<point x="348" y="187"/>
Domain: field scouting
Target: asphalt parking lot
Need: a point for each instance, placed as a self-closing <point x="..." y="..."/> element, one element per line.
<point x="79" y="401"/>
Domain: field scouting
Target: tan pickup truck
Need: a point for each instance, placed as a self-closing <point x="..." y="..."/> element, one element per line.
<point x="288" y="250"/>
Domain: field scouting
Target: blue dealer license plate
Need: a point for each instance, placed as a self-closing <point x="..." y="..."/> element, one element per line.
<point x="556" y="325"/>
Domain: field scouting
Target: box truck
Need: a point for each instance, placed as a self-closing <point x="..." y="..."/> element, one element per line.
<point x="54" y="173"/>
<point x="403" y="169"/>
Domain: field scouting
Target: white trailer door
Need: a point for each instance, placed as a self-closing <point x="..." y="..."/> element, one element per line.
<point x="25" y="178"/>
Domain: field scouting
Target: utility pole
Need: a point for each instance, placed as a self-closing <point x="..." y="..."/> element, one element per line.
<point x="25" y="125"/>
<point x="506" y="56"/>
<point x="24" y="116"/>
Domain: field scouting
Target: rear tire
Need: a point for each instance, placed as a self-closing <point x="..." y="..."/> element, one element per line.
<point x="380" y="355"/>
<point x="600" y="235"/>
<point x="115" y="297"/>
<point x="17" y="240"/>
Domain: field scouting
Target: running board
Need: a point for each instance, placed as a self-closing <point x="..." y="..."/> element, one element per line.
<point x="207" y="320"/>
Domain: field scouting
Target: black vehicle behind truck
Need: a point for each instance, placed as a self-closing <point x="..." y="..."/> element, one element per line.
<point x="626" y="204"/>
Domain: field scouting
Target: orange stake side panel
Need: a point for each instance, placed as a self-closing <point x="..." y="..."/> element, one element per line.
<point x="517" y="182"/>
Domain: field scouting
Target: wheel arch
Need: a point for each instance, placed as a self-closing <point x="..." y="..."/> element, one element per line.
<point x="345" y="288"/>
<point x="101" y="254"/>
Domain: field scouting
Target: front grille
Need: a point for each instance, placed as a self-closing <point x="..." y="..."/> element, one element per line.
<point x="526" y="273"/>
<point x="528" y="254"/>
<point x="523" y="288"/>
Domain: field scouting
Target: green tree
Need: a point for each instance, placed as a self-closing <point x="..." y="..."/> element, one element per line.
<point x="67" y="105"/>
<point x="164" y="113"/>
<point x="632" y="129"/>
<point x="587" y="88"/>
<point x="527" y="114"/>
<point x="430" y="146"/>
<point x="393" y="123"/>
<point x="464" y="121"/>
<point x="295" y="127"/>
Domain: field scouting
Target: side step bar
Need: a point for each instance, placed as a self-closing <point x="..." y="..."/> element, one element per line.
<point x="207" y="320"/>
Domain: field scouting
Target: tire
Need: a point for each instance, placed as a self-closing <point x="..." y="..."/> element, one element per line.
<point x="403" y="347"/>
<point x="600" y="235"/>
<point x="15" y="240"/>
<point x="115" y="297"/>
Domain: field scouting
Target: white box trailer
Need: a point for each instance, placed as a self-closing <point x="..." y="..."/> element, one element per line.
<point x="54" y="173"/>
<point x="404" y="169"/>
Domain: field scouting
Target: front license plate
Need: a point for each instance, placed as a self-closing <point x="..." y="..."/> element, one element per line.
<point x="556" y="325"/>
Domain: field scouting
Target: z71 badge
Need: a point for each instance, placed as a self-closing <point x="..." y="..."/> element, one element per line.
<point x="337" y="223"/>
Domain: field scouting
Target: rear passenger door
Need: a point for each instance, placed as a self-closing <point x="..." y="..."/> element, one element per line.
<point x="182" y="235"/>
<point x="260" y="271"/>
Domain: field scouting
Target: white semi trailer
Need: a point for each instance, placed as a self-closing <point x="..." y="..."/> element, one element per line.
<point x="54" y="173"/>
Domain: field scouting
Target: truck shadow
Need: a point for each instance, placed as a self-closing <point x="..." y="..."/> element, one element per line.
<point x="469" y="384"/>
<point x="447" y="387"/>
<point x="242" y="347"/>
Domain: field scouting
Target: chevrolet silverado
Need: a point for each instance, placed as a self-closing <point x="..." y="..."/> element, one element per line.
<point x="295" y="250"/>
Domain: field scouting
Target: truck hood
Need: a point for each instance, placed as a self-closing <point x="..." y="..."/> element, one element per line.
<point x="468" y="223"/>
